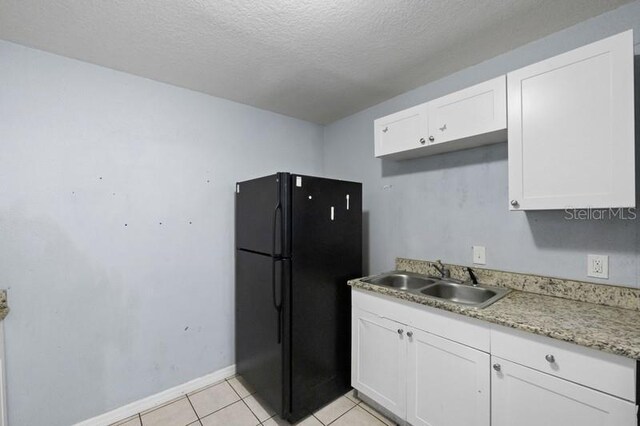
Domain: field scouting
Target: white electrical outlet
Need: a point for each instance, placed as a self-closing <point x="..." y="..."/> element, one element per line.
<point x="479" y="255"/>
<point x="598" y="266"/>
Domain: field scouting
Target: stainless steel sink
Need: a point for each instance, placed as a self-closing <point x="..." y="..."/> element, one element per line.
<point x="402" y="281"/>
<point x="448" y="289"/>
<point x="465" y="294"/>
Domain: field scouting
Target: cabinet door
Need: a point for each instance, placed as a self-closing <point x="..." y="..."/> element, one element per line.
<point x="448" y="384"/>
<point x="526" y="397"/>
<point x="474" y="111"/>
<point x="402" y="131"/>
<point x="378" y="360"/>
<point x="571" y="129"/>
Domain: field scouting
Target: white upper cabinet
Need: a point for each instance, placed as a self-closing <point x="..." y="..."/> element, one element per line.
<point x="401" y="132"/>
<point x="478" y="112"/>
<point x="571" y="129"/>
<point x="465" y="119"/>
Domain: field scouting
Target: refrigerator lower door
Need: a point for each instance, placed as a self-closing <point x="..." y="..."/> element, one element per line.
<point x="259" y="327"/>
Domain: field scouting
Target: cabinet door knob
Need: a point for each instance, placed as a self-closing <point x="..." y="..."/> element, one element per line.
<point x="431" y="138"/>
<point x="385" y="130"/>
<point x="422" y="141"/>
<point x="497" y="367"/>
<point x="400" y="331"/>
<point x="409" y="333"/>
<point x="514" y="203"/>
<point x="550" y="358"/>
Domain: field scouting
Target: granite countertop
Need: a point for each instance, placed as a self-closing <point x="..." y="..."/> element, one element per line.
<point x="609" y="329"/>
<point x="4" y="307"/>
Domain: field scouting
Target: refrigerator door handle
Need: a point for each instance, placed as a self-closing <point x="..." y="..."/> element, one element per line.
<point x="277" y="212"/>
<point x="277" y="303"/>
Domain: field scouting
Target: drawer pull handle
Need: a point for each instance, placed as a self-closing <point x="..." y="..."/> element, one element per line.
<point x="550" y="358"/>
<point x="400" y="331"/>
<point x="497" y="367"/>
<point x="409" y="333"/>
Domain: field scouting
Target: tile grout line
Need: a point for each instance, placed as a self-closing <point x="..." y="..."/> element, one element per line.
<point x="360" y="401"/>
<point x="161" y="405"/>
<point x="251" y="411"/>
<point x="378" y="415"/>
<point x="207" y="387"/>
<point x="193" y="408"/>
<point x="164" y="404"/>
<point x="245" y="404"/>
<point x="186" y="395"/>
<point x="336" y="419"/>
<point x="221" y="408"/>
<point x="356" y="405"/>
<point x="345" y="395"/>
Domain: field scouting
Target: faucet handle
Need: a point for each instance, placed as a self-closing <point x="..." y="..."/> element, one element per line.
<point x="443" y="270"/>
<point x="472" y="276"/>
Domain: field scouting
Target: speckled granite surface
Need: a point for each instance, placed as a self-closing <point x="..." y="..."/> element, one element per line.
<point x="606" y="328"/>
<point x="4" y="307"/>
<point x="610" y="295"/>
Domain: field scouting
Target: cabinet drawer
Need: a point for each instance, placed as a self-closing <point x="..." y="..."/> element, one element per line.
<point x="608" y="373"/>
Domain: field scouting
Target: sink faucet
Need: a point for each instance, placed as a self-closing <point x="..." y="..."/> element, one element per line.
<point x="472" y="277"/>
<point x="444" y="271"/>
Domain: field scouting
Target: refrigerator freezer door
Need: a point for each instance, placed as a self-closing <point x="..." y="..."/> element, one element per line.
<point x="326" y="252"/>
<point x="261" y="206"/>
<point x="259" y="324"/>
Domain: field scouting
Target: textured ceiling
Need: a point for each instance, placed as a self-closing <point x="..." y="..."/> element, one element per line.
<point x="318" y="60"/>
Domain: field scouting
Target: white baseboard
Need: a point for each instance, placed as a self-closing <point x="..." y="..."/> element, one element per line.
<point x="160" y="398"/>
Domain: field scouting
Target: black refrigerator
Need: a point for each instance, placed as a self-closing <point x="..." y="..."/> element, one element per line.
<point x="298" y="241"/>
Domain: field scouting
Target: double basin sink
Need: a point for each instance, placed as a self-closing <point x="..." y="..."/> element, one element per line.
<point x="447" y="289"/>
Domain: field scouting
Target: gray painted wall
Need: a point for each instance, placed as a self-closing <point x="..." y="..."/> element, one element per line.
<point x="103" y="314"/>
<point x="438" y="207"/>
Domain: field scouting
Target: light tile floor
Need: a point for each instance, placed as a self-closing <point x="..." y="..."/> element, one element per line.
<point x="232" y="403"/>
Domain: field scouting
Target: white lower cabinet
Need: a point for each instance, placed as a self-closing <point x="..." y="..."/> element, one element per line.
<point x="418" y="376"/>
<point x="448" y="384"/>
<point x="378" y="360"/>
<point x="526" y="397"/>
<point x="428" y="374"/>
